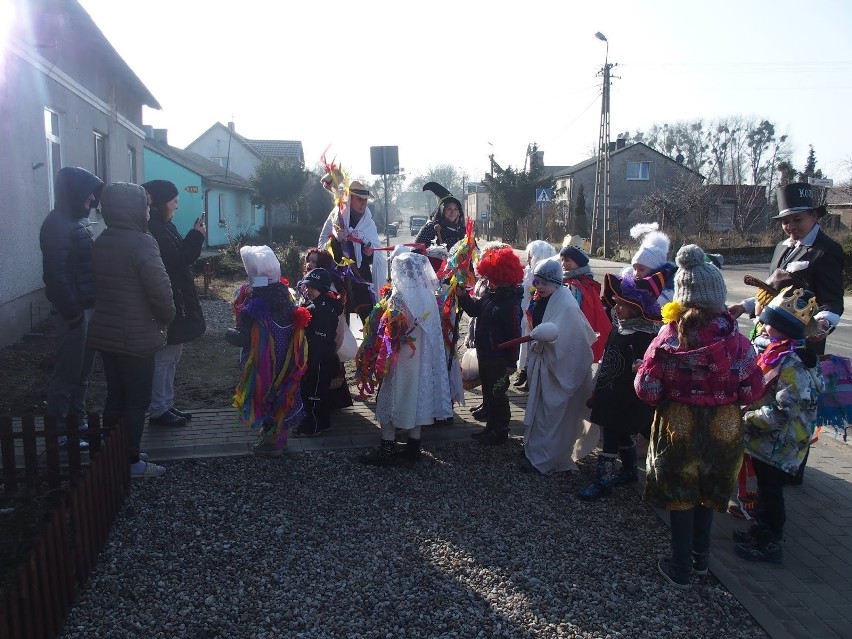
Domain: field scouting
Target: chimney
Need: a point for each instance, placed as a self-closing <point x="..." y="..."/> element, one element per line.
<point x="149" y="131"/>
<point x="161" y="136"/>
<point x="620" y="143"/>
<point x="231" y="127"/>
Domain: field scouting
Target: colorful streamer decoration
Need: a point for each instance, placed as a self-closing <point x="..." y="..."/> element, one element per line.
<point x="460" y="270"/>
<point x="386" y="331"/>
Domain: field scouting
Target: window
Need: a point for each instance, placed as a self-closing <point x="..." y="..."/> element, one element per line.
<point x="100" y="144"/>
<point x="223" y="162"/>
<point x="54" y="157"/>
<point x="222" y="219"/>
<point x="131" y="163"/>
<point x="252" y="215"/>
<point x="638" y="170"/>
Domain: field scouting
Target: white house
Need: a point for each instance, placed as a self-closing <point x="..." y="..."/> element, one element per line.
<point x="66" y="99"/>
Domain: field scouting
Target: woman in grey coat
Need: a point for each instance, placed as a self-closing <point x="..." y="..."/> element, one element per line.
<point x="133" y="307"/>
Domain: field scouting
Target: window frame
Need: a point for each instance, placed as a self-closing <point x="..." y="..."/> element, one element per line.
<point x="640" y="178"/>
<point x="53" y="149"/>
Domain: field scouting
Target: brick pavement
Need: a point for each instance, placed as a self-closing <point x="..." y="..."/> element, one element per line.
<point x="809" y="596"/>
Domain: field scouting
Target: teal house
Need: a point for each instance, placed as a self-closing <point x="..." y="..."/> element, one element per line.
<point x="205" y="189"/>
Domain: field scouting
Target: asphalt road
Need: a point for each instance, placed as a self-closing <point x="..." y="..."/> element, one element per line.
<point x="839" y="342"/>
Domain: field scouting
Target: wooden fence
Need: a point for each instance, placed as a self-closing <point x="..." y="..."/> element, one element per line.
<point x="91" y="488"/>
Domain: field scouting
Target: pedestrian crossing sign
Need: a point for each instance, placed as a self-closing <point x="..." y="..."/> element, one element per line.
<point x="543" y="196"/>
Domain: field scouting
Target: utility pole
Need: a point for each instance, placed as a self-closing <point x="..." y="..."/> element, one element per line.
<point x="601" y="206"/>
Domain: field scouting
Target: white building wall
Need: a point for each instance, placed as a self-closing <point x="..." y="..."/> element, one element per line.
<point x="25" y="175"/>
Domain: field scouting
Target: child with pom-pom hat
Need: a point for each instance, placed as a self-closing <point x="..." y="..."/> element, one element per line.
<point x="698" y="371"/>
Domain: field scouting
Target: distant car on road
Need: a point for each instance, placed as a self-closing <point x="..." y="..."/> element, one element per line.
<point x="393" y="229"/>
<point x="416" y="222"/>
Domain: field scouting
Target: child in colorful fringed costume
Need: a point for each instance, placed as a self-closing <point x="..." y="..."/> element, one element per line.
<point x="779" y="426"/>
<point x="325" y="307"/>
<point x="403" y="351"/>
<point x="498" y="320"/>
<point x="270" y="330"/>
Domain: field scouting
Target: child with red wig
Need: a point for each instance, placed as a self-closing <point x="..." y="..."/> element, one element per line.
<point x="498" y="314"/>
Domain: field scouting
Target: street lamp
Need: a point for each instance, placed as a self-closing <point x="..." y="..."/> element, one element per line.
<point x="601" y="36"/>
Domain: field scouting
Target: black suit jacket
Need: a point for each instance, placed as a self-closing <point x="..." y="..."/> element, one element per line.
<point x="824" y="273"/>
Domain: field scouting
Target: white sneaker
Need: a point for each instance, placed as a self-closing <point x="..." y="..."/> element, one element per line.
<point x="62" y="442"/>
<point x="146" y="469"/>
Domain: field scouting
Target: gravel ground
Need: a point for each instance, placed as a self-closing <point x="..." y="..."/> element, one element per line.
<point x="461" y="545"/>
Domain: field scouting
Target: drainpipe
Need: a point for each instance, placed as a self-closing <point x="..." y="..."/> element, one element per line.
<point x="205" y="216"/>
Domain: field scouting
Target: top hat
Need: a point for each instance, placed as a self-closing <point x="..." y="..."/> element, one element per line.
<point x="796" y="197"/>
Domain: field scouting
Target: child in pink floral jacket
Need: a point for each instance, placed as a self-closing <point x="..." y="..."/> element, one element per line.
<point x="698" y="371"/>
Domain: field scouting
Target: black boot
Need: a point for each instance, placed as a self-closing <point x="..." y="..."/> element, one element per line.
<point x="521" y="379"/>
<point x="602" y="486"/>
<point x="629" y="473"/>
<point x="494" y="437"/>
<point x="480" y="433"/>
<point x="411" y="453"/>
<point x="384" y="455"/>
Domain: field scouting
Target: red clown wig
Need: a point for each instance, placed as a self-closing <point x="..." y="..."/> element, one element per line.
<point x="502" y="267"/>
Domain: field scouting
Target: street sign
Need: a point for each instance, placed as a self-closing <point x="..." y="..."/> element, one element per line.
<point x="191" y="188"/>
<point x="821" y="182"/>
<point x="483" y="215"/>
<point x="543" y="196"/>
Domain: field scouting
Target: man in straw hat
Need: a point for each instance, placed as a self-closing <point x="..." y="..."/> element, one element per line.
<point x="808" y="254"/>
<point x="353" y="235"/>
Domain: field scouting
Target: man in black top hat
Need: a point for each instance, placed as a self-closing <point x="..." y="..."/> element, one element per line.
<point x="808" y="254"/>
<point x="810" y="257"/>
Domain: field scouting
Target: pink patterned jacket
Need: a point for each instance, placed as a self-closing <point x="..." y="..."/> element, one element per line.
<point x="722" y="371"/>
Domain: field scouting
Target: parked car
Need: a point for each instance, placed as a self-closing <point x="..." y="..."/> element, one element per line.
<point x="393" y="229"/>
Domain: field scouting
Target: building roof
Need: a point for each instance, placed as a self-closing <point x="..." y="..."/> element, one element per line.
<point x="209" y="171"/>
<point x="90" y="30"/>
<point x="571" y="170"/>
<point x="284" y="149"/>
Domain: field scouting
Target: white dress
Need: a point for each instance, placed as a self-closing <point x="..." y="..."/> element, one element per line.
<point x="560" y="378"/>
<point x="416" y="390"/>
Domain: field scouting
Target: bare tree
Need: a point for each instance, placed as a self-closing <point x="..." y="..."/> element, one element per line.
<point x="687" y="200"/>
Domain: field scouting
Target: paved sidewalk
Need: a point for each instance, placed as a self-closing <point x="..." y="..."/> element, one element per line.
<point x="809" y="596"/>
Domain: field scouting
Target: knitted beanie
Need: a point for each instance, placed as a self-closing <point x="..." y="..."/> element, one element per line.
<point x="549" y="270"/>
<point x="161" y="191"/>
<point x="575" y="254"/>
<point x="654" y="250"/>
<point x="697" y="281"/>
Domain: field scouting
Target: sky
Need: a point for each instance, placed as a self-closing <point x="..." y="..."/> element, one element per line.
<point x="450" y="82"/>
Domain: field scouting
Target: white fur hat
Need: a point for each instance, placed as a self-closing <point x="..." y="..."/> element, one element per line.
<point x="654" y="250"/>
<point x="262" y="265"/>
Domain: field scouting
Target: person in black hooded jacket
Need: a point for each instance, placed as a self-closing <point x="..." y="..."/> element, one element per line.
<point x="66" y="246"/>
<point x="178" y="254"/>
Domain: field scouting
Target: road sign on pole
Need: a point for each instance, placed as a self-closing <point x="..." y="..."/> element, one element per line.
<point x="483" y="215"/>
<point x="543" y="196"/>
